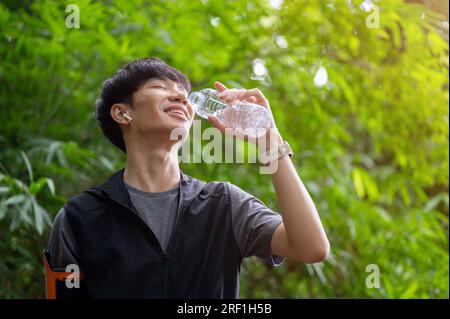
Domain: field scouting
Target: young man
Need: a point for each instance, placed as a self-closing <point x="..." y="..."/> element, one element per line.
<point x="151" y="231"/>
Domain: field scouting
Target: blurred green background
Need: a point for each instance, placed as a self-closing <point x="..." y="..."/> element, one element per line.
<point x="364" y="106"/>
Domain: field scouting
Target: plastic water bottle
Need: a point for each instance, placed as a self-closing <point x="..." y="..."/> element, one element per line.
<point x="249" y="118"/>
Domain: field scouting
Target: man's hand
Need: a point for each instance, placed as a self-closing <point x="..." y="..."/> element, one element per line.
<point x="253" y="96"/>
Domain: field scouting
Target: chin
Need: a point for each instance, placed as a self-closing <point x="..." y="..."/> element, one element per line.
<point x="179" y="133"/>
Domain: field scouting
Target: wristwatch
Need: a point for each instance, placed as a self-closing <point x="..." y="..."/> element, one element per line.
<point x="275" y="153"/>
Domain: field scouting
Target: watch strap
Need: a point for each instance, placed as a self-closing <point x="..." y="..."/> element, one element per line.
<point x="275" y="153"/>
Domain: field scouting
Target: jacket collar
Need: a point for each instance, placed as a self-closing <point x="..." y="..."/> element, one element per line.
<point x="114" y="188"/>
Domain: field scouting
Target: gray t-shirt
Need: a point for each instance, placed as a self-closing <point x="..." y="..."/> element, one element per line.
<point x="158" y="210"/>
<point x="253" y="224"/>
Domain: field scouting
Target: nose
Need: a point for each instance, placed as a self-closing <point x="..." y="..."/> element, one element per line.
<point x="179" y="96"/>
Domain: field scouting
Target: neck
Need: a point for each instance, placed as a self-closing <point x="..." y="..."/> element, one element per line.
<point x="152" y="167"/>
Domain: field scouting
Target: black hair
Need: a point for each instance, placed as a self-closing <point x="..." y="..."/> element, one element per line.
<point x="120" y="88"/>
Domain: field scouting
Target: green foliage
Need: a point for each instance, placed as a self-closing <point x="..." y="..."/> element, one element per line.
<point x="371" y="145"/>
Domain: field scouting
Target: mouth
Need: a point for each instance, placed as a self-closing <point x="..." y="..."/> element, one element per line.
<point x="177" y="111"/>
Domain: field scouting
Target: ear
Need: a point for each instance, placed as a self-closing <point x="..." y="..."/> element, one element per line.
<point x="118" y="111"/>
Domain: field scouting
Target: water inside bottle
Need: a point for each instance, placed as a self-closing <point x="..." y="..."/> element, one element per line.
<point x="206" y="102"/>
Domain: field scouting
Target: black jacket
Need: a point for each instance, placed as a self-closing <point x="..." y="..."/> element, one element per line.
<point x="121" y="257"/>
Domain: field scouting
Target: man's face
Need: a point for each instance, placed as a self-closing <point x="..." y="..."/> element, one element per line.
<point x="160" y="106"/>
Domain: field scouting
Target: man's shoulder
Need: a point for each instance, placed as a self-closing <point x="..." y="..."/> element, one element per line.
<point x="225" y="188"/>
<point x="215" y="187"/>
<point x="85" y="201"/>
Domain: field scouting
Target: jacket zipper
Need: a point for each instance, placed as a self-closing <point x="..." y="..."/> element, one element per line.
<point x="166" y="291"/>
<point x="163" y="254"/>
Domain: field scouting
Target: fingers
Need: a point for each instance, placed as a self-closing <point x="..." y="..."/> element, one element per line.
<point x="216" y="123"/>
<point x="219" y="86"/>
<point x="256" y="93"/>
<point x="226" y="95"/>
<point x="231" y="94"/>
